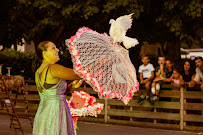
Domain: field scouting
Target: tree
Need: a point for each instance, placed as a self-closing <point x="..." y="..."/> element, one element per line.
<point x="4" y="22"/>
<point x="57" y="20"/>
<point x="171" y="21"/>
<point x="183" y="20"/>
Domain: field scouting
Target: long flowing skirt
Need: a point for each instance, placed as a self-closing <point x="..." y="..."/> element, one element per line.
<point x="53" y="118"/>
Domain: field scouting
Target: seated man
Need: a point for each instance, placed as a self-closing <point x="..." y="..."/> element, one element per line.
<point x="198" y="80"/>
<point x="169" y="65"/>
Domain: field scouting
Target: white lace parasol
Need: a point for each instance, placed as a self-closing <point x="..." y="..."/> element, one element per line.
<point x="104" y="65"/>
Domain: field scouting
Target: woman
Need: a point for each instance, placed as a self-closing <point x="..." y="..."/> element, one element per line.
<point x="187" y="74"/>
<point x="53" y="115"/>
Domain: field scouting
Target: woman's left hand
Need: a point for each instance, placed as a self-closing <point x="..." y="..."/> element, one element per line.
<point x="77" y="83"/>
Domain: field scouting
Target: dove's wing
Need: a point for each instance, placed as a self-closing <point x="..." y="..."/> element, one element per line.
<point x="124" y="22"/>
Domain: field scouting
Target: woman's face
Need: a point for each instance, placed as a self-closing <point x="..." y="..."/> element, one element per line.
<point x="187" y="66"/>
<point x="51" y="53"/>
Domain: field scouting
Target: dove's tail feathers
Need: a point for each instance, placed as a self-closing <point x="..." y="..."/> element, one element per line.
<point x="129" y="42"/>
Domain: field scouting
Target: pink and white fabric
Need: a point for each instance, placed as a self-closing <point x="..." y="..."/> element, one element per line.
<point x="104" y="65"/>
<point x="82" y="104"/>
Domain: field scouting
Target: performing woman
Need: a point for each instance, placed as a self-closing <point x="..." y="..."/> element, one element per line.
<point x="53" y="115"/>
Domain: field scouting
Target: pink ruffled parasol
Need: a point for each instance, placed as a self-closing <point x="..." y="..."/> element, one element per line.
<point x="104" y="65"/>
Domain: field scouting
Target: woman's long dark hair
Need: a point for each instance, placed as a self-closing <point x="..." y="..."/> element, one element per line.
<point x="192" y="66"/>
<point x="37" y="59"/>
<point x="40" y="48"/>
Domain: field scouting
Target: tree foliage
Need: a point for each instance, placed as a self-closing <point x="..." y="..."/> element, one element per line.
<point x="57" y="20"/>
<point x="184" y="20"/>
<point x="17" y="60"/>
<point x="171" y="21"/>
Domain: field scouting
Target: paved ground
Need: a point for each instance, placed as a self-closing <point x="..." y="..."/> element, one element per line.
<point x="94" y="129"/>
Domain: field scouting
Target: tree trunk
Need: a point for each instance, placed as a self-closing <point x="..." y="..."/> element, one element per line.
<point x="173" y="52"/>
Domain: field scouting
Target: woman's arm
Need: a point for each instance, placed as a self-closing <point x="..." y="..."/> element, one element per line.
<point x="193" y="77"/>
<point x="199" y="83"/>
<point x="62" y="72"/>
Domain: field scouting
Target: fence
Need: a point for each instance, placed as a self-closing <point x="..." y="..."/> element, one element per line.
<point x="177" y="109"/>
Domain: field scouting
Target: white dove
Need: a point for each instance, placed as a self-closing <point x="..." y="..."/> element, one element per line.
<point x="119" y="28"/>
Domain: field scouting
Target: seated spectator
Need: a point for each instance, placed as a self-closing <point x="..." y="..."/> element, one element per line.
<point x="188" y="74"/>
<point x="198" y="80"/>
<point x="176" y="77"/>
<point x="146" y="75"/>
<point x="161" y="71"/>
<point x="169" y="66"/>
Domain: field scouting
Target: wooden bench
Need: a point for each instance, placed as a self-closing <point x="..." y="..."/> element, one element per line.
<point x="170" y="112"/>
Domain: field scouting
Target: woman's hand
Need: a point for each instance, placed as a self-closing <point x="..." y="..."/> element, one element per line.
<point x="77" y="83"/>
<point x="74" y="84"/>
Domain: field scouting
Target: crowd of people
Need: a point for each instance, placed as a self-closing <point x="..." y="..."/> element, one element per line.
<point x="167" y="73"/>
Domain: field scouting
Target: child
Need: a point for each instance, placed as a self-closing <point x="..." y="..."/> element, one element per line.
<point x="161" y="72"/>
<point x="146" y="73"/>
<point x="176" y="77"/>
